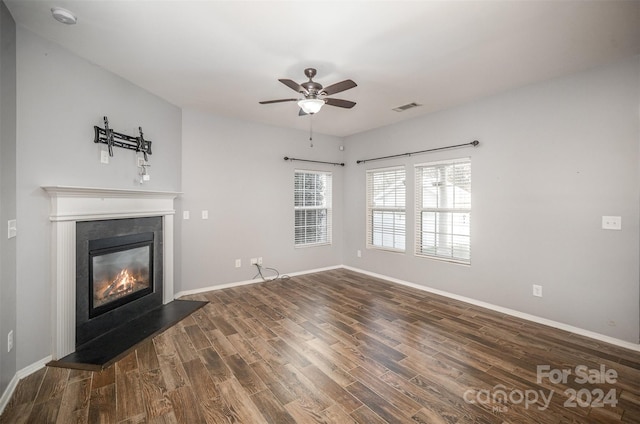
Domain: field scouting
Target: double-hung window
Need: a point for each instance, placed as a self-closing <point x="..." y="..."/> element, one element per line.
<point x="312" y="208"/>
<point x="443" y="210"/>
<point x="386" y="225"/>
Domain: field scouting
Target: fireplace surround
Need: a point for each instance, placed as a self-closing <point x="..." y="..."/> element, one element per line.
<point x="70" y="205"/>
<point x="118" y="276"/>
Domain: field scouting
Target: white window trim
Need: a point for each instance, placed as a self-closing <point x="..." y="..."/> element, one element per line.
<point x="370" y="210"/>
<point x="328" y="207"/>
<point x="419" y="209"/>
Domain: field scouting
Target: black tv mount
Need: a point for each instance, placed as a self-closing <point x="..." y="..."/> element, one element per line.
<point x="112" y="138"/>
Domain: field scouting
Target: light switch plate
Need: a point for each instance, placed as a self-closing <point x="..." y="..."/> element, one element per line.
<point x="612" y="223"/>
<point x="12" y="228"/>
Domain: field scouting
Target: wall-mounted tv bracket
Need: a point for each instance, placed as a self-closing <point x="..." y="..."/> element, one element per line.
<point x="112" y="138"/>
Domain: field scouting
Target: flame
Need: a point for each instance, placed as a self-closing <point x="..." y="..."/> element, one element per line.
<point x="124" y="279"/>
<point x="124" y="282"/>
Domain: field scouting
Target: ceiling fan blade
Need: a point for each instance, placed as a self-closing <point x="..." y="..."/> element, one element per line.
<point x="340" y="103"/>
<point x="293" y="85"/>
<point x="338" y="87"/>
<point x="266" y="102"/>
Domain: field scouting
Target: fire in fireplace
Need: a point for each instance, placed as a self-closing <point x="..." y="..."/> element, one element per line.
<point x="120" y="271"/>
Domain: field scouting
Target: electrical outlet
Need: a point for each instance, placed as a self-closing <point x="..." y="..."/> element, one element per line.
<point x="205" y="214"/>
<point x="140" y="161"/>
<point x="359" y="253"/>
<point x="185" y="215"/>
<point x="537" y="290"/>
<point x="260" y="260"/>
<point x="254" y="261"/>
<point x="612" y="223"/>
<point x="10" y="341"/>
<point x="238" y="263"/>
<point x="104" y="156"/>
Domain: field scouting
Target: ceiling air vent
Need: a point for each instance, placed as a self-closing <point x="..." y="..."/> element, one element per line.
<point x="406" y="107"/>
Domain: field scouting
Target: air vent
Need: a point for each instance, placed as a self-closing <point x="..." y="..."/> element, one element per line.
<point x="405" y="107"/>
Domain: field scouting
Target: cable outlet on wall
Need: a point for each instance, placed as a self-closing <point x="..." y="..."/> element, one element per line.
<point x="537" y="290"/>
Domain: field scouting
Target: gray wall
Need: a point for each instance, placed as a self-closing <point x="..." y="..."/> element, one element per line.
<point x="554" y="158"/>
<point x="60" y="98"/>
<point x="7" y="191"/>
<point x="236" y="171"/>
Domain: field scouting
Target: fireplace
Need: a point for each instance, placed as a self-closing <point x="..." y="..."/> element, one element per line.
<point x="120" y="271"/>
<point x="72" y="205"/>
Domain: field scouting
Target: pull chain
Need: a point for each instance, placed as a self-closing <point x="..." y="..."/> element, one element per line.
<point x="310" y="130"/>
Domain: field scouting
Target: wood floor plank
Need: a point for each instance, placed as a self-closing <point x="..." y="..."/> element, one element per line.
<point x="102" y="405"/>
<point x="185" y="406"/>
<point x="244" y="374"/>
<point x="74" y="407"/>
<point x="272" y="410"/>
<point x="154" y="394"/>
<point x="333" y="390"/>
<point x="53" y="384"/>
<point x="238" y="403"/>
<point x="336" y="347"/>
<point x="128" y="395"/>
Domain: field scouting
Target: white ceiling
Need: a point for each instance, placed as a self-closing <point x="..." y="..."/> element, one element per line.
<point x="225" y="56"/>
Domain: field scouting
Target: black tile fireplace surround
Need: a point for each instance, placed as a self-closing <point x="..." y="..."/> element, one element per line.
<point x="105" y="237"/>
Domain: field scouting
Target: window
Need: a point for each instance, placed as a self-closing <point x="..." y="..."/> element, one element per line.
<point x="443" y="210"/>
<point x="386" y="226"/>
<point x="312" y="208"/>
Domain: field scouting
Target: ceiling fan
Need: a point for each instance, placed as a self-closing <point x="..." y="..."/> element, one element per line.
<point x="315" y="94"/>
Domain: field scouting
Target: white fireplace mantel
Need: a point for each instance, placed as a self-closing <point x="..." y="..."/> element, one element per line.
<point x="72" y="204"/>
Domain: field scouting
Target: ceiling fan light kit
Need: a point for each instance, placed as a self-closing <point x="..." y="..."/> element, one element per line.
<point x="315" y="94"/>
<point x="311" y="106"/>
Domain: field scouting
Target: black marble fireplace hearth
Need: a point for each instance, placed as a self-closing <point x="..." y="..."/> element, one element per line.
<point x="105" y="350"/>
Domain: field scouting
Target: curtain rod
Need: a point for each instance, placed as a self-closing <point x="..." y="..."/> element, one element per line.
<point x="314" y="161"/>
<point x="474" y="143"/>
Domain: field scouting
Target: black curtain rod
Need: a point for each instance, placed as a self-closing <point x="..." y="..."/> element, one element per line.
<point x="474" y="143"/>
<point x="314" y="161"/>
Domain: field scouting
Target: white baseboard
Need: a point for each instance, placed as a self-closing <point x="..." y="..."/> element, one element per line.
<point x="24" y="372"/>
<point x="254" y="281"/>
<point x="555" y="324"/>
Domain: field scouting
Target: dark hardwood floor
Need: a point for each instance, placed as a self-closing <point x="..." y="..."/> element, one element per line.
<point x="343" y="347"/>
